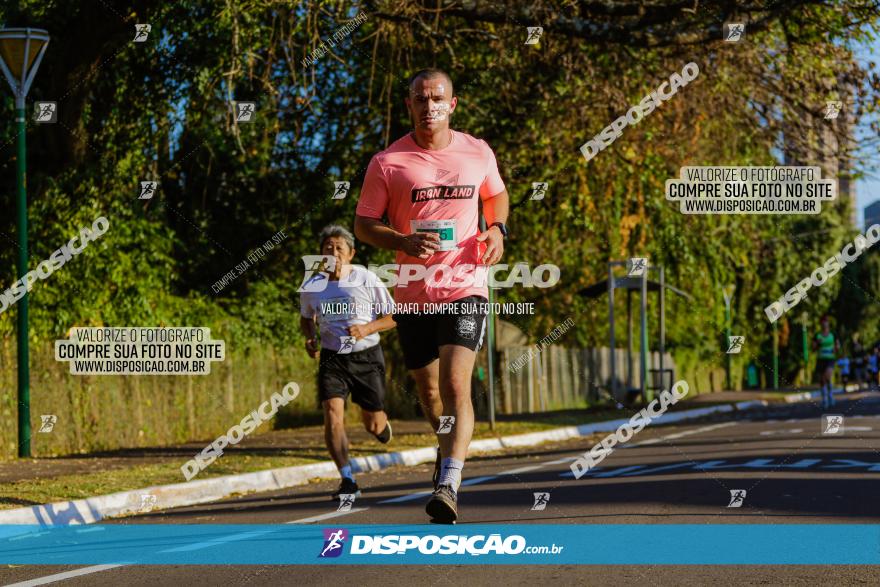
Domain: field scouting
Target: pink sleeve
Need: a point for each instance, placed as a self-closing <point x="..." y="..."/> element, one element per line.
<point x="374" y="194"/>
<point x="493" y="184"/>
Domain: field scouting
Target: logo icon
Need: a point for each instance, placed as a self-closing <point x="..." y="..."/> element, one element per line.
<point x="45" y="112"/>
<point x="832" y="109"/>
<point x="48" y="422"/>
<point x="346" y="500"/>
<point x="346" y="344"/>
<point x="341" y="189"/>
<point x="333" y="540"/>
<point x="148" y="190"/>
<point x="832" y="424"/>
<point x="539" y="189"/>
<point x="534" y="34"/>
<point x="636" y="267"/>
<point x="439" y="112"/>
<point x="318" y="268"/>
<point x="734" y="31"/>
<point x="244" y="111"/>
<point x="148" y="502"/>
<point x="541" y="501"/>
<point x="467" y="326"/>
<point x="141" y="31"/>
<point x="735" y="344"/>
<point x="737" y="497"/>
<point x="446" y="424"/>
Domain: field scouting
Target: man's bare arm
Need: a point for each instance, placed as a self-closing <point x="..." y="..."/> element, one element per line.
<point x="374" y="232"/>
<point x="308" y="327"/>
<point x="360" y="331"/>
<point x="496" y="208"/>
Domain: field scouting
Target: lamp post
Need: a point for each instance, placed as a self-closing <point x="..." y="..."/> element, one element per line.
<point x="727" y="298"/>
<point x="21" y="50"/>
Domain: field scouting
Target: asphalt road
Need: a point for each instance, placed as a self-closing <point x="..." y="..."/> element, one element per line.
<point x="790" y="471"/>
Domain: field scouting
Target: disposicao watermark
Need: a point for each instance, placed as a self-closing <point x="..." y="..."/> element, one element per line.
<point x="783" y="189"/>
<point x="557" y="332"/>
<point x="55" y="261"/>
<point x="464" y="275"/>
<point x="627" y="430"/>
<point x="635" y="114"/>
<point x="340" y="34"/>
<point x="254" y="257"/>
<point x="248" y="424"/>
<point x="823" y="273"/>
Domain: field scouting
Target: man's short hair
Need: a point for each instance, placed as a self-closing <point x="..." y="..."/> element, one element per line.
<point x="336" y="230"/>
<point x="429" y="73"/>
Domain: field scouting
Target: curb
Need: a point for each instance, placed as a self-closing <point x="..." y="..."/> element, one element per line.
<point x="95" y="509"/>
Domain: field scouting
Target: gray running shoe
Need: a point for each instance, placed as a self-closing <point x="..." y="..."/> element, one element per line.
<point x="443" y="505"/>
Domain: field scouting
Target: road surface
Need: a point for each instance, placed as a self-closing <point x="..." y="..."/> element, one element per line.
<point x="791" y="474"/>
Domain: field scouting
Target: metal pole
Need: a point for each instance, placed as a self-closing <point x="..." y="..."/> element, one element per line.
<point x="644" y="337"/>
<point x="727" y="326"/>
<point x="629" y="340"/>
<point x="611" y="320"/>
<point x="490" y="347"/>
<point x="775" y="358"/>
<point x="727" y="322"/>
<point x="663" y="329"/>
<point x="24" y="393"/>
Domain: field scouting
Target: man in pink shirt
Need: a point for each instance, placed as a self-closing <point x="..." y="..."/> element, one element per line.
<point x="429" y="184"/>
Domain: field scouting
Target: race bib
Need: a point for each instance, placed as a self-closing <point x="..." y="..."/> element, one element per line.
<point x="444" y="228"/>
<point x="336" y="309"/>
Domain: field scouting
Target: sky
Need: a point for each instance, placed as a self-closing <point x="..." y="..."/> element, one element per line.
<point x="868" y="189"/>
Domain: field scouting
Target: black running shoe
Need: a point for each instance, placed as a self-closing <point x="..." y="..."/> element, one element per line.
<point x="437" y="465"/>
<point x="385" y="436"/>
<point x="347" y="486"/>
<point x="442" y="507"/>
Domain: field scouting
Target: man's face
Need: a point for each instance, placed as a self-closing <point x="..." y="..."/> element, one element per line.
<point x="430" y="103"/>
<point x="337" y="246"/>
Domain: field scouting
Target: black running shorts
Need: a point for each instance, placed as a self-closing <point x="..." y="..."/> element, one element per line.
<point x="362" y="374"/>
<point x="422" y="335"/>
<point x="823" y="364"/>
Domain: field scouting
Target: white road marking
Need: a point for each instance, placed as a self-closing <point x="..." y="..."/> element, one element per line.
<point x="327" y="516"/>
<point x="420" y="494"/>
<point x="408" y="497"/>
<point x="525" y="469"/>
<point x="789" y="431"/>
<point x="680" y="434"/>
<point x="65" y="575"/>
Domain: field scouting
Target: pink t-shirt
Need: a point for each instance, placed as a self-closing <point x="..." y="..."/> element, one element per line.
<point x="415" y="184"/>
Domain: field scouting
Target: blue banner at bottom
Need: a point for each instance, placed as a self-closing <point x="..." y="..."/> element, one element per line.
<point x="514" y="544"/>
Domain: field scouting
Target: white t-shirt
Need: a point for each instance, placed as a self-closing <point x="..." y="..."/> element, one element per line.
<point x="358" y="298"/>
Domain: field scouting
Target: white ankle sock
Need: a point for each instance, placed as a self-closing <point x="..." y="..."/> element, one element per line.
<point x="450" y="473"/>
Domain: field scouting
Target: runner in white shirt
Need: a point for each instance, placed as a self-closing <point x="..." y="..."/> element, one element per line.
<point x="350" y="308"/>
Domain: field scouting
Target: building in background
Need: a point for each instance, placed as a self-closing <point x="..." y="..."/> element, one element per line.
<point x="872" y="214"/>
<point x="828" y="141"/>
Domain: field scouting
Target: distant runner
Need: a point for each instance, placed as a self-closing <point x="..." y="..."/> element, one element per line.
<point x="828" y="347"/>
<point x="351" y="357"/>
<point x="430" y="184"/>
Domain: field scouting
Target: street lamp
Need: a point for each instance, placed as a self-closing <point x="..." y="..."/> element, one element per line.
<point x="727" y="292"/>
<point x="21" y="50"/>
